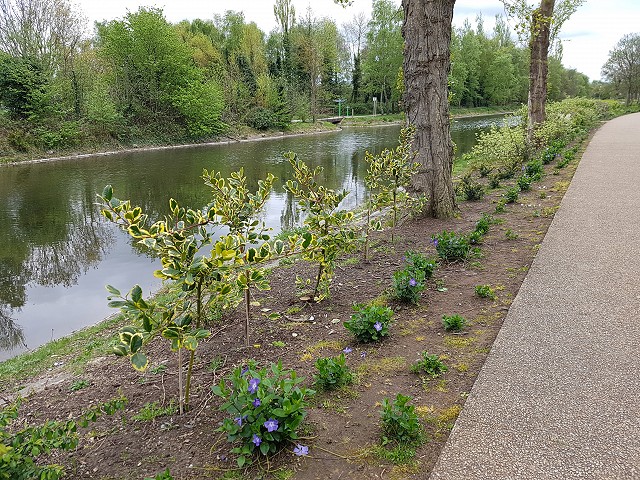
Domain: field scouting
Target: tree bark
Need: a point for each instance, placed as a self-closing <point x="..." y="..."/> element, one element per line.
<point x="539" y="67"/>
<point x="427" y="39"/>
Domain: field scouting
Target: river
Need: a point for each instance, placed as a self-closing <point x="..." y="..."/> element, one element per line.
<point x="57" y="252"/>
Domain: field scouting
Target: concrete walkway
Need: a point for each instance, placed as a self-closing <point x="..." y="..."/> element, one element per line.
<point x="559" y="395"/>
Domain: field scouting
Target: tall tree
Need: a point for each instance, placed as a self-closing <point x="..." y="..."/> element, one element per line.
<point x="427" y="36"/>
<point x="542" y="25"/>
<point x="623" y="66"/>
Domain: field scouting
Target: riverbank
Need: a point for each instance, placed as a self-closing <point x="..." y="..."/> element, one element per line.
<point x="249" y="135"/>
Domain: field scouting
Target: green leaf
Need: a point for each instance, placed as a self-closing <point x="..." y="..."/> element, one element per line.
<point x="107" y="193"/>
<point x="136" y="342"/>
<point x="190" y="343"/>
<point x="241" y="461"/>
<point x="139" y="361"/>
<point x="120" y="350"/>
<point x="117" y="303"/>
<point x="113" y="290"/>
<point x="264" y="448"/>
<point x="136" y="293"/>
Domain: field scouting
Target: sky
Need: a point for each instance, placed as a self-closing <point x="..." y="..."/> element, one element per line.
<point x="588" y="35"/>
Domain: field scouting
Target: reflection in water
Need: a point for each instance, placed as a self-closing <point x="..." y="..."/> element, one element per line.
<point x="57" y="252"/>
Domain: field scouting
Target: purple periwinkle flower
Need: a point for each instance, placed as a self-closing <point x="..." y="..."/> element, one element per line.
<point x="301" y="450"/>
<point x="256" y="402"/>
<point x="412" y="282"/>
<point x="435" y="242"/>
<point x="253" y="385"/>
<point x="377" y="326"/>
<point x="256" y="440"/>
<point x="347" y="350"/>
<point x="363" y="354"/>
<point x="244" y="371"/>
<point x="240" y="420"/>
<point x="271" y="425"/>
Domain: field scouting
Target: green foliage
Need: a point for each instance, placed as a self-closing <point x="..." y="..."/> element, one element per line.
<point x="79" y="385"/>
<point x="512" y="194"/>
<point x="22" y="445"/>
<point x="451" y="246"/>
<point x="21" y="81"/>
<point x="332" y="373"/>
<point x="151" y="411"/>
<point x="429" y="364"/>
<point x="510" y="234"/>
<point x="494" y="181"/>
<point x="484" y="224"/>
<point x="265" y="407"/>
<point x="453" y="323"/>
<point x="369" y="323"/>
<point x="534" y="169"/>
<point x="400" y="422"/>
<point x="485" y="291"/>
<point x="409" y="282"/>
<point x="524" y="182"/>
<point x="470" y="189"/>
<point x="329" y="230"/>
<point x="502" y="147"/>
<point x="389" y="173"/>
<point x="166" y="475"/>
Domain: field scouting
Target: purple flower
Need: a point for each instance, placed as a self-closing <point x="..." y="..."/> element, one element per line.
<point x="435" y="242"/>
<point x="256" y="440"/>
<point x="239" y="420"/>
<point x="244" y="370"/>
<point x="412" y="282"/>
<point x="301" y="450"/>
<point x="377" y="326"/>
<point x="256" y="402"/>
<point x="363" y="354"/>
<point x="271" y="425"/>
<point x="347" y="350"/>
<point x="253" y="385"/>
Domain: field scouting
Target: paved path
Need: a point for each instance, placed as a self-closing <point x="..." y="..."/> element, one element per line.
<point x="559" y="395"/>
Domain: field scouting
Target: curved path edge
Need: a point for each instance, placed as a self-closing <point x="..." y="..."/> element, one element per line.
<point x="559" y="394"/>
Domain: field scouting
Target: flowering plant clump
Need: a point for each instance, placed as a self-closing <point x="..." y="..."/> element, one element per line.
<point x="333" y="372"/>
<point x="409" y="282"/>
<point x="369" y="323"/>
<point x="451" y="246"/>
<point x="265" y="408"/>
<point x="453" y="323"/>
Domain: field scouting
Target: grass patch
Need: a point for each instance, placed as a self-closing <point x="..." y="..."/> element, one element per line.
<point x="151" y="411"/>
<point x="381" y="366"/>
<point x="458" y="342"/>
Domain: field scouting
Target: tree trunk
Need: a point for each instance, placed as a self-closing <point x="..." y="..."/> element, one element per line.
<point x="427" y="40"/>
<point x="539" y="67"/>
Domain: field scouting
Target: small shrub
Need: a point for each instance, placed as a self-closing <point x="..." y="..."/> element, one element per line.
<point x="524" y="182"/>
<point x="485" y="291"/>
<point x="470" y="189"/>
<point x="453" y="323"/>
<point x="451" y="246"/>
<point x="370" y="322"/>
<point x="429" y="364"/>
<point x="512" y="194"/>
<point x="400" y="423"/>
<point x="494" y="181"/>
<point x="332" y="373"/>
<point x="266" y="407"/>
<point x="500" y="207"/>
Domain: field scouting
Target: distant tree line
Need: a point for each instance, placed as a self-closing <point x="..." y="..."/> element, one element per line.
<point x="141" y="79"/>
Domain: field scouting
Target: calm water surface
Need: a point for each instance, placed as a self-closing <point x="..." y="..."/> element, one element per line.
<point x="57" y="252"/>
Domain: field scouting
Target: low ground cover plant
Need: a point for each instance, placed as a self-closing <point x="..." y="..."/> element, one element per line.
<point x="332" y="373"/>
<point x="400" y="422"/>
<point x="485" y="291"/>
<point x="265" y="406"/>
<point x="451" y="246"/>
<point x="453" y="323"/>
<point x="369" y="323"/>
<point x="429" y="364"/>
<point x="409" y="282"/>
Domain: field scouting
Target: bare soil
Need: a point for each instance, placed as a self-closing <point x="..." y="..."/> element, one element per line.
<point x="342" y="428"/>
